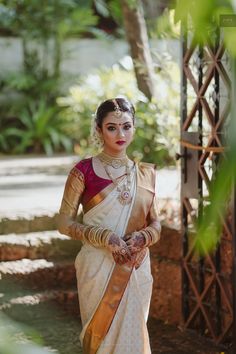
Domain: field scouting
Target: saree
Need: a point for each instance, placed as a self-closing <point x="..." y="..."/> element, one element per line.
<point x="95" y="270"/>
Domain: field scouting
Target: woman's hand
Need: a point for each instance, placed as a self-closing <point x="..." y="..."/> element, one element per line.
<point x="119" y="249"/>
<point x="135" y="241"/>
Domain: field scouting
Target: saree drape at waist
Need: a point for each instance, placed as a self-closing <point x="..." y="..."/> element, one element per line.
<point x="94" y="266"/>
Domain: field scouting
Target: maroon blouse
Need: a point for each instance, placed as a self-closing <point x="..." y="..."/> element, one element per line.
<point x="93" y="183"/>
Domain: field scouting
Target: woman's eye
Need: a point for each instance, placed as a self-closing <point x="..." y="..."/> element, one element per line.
<point x="111" y="128"/>
<point x="127" y="127"/>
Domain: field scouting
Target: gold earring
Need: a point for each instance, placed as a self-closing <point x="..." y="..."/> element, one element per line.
<point x="101" y="139"/>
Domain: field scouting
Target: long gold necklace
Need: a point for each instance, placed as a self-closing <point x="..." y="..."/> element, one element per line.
<point x="113" y="161"/>
<point x="124" y="190"/>
<point x="124" y="196"/>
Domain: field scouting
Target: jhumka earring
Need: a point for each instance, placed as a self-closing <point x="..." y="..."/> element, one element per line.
<point x="97" y="138"/>
<point x="118" y="111"/>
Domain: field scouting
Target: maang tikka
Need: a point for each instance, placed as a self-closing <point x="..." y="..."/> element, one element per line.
<point x="118" y="111"/>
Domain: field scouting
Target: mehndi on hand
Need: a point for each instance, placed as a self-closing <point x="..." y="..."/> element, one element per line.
<point x="119" y="249"/>
<point x="136" y="241"/>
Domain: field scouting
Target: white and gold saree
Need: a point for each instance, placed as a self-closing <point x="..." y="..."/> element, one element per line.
<point x="114" y="300"/>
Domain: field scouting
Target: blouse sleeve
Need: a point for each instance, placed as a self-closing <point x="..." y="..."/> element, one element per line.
<point x="154" y="223"/>
<point x="73" y="191"/>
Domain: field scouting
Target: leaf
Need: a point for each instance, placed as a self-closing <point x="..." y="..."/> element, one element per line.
<point x="66" y="142"/>
<point x="101" y="7"/>
<point x="47" y="145"/>
<point x="55" y="136"/>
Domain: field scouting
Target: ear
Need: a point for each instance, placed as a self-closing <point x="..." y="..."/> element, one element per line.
<point x="98" y="130"/>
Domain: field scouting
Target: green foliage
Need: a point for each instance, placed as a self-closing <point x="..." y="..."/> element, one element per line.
<point x="156" y="122"/>
<point x="43" y="19"/>
<point x="209" y="225"/>
<point x="10" y="342"/>
<point x="43" y="130"/>
<point x="205" y="16"/>
<point x="164" y="26"/>
<point x="29" y="95"/>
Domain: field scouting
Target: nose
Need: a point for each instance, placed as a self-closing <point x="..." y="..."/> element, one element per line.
<point x="121" y="132"/>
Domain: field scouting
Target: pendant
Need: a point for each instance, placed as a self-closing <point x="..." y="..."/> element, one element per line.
<point x="125" y="196"/>
<point x="116" y="163"/>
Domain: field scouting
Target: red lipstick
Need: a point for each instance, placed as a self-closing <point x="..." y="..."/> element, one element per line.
<point x="120" y="142"/>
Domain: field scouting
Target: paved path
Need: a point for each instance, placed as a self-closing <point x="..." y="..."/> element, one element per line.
<point x="58" y="328"/>
<point x="34" y="186"/>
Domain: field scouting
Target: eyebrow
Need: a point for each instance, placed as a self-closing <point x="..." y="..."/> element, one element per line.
<point x="109" y="123"/>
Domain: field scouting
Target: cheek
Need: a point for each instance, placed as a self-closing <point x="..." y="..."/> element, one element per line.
<point x="109" y="135"/>
<point x="130" y="133"/>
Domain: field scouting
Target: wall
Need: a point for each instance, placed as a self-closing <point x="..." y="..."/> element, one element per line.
<point x="80" y="55"/>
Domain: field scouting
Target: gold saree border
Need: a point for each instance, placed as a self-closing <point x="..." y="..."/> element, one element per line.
<point x="107" y="308"/>
<point x="98" y="198"/>
<point x="103" y="316"/>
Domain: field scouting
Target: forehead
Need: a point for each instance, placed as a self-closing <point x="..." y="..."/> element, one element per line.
<point x="112" y="118"/>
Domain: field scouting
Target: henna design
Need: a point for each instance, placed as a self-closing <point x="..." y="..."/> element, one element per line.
<point x="135" y="242"/>
<point x="114" y="240"/>
<point x="76" y="231"/>
<point x="119" y="249"/>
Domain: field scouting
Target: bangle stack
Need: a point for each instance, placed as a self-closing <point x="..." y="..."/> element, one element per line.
<point x="151" y="235"/>
<point x="96" y="235"/>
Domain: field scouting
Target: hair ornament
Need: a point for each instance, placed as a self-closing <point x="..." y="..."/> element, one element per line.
<point x="118" y="111"/>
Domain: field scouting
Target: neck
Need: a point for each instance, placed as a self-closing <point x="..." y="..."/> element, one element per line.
<point x="115" y="153"/>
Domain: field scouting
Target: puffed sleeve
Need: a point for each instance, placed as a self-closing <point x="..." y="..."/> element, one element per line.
<point x="73" y="191"/>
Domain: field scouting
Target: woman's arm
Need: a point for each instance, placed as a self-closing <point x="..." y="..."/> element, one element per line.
<point x="95" y="235"/>
<point x="73" y="191"/>
<point x="149" y="235"/>
<point x="67" y="223"/>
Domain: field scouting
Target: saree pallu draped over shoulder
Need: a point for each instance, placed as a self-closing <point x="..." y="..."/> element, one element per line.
<point x="114" y="300"/>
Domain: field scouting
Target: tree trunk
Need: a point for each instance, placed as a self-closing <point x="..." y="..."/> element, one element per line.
<point x="136" y="33"/>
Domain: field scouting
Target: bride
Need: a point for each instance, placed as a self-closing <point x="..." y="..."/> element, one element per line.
<point x="120" y="223"/>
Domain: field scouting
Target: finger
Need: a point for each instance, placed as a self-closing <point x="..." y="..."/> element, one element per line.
<point x="126" y="237"/>
<point x="125" y="254"/>
<point x="133" y="250"/>
<point x="129" y="242"/>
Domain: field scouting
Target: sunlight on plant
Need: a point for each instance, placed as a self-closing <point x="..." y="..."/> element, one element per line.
<point x="166" y="27"/>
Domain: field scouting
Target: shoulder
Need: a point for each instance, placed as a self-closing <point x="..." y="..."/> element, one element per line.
<point x="84" y="165"/>
<point x="147" y="168"/>
<point x="147" y="165"/>
<point x="81" y="168"/>
<point x="146" y="173"/>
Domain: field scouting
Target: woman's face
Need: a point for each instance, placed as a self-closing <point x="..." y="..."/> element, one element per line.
<point x="117" y="133"/>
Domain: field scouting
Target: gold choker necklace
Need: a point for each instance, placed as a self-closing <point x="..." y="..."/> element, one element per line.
<point x="115" y="162"/>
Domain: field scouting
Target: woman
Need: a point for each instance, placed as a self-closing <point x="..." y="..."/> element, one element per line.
<point x="120" y="222"/>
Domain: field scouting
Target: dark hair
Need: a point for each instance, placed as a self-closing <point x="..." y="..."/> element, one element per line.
<point x="111" y="106"/>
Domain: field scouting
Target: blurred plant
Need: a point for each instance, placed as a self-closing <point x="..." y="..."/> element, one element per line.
<point x="42" y="28"/>
<point x="9" y="344"/>
<point x="157" y="122"/>
<point x="51" y="22"/>
<point x="164" y="26"/>
<point x="42" y="130"/>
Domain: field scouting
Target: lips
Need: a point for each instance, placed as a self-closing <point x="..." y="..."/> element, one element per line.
<point x="120" y="142"/>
